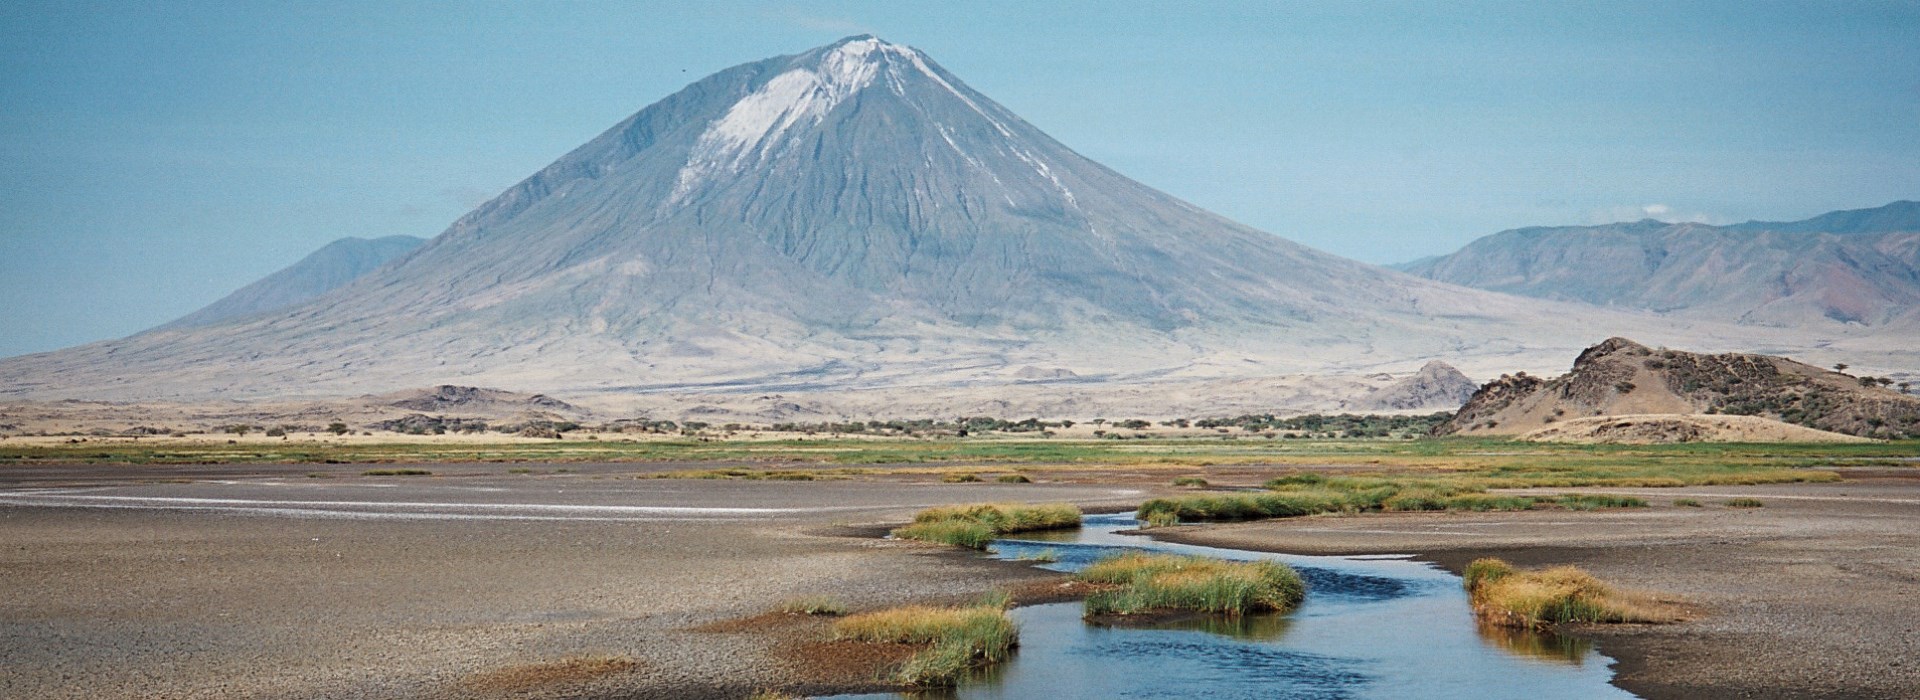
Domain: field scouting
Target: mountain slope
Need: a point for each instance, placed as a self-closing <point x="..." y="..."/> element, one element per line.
<point x="850" y="217"/>
<point x="322" y="271"/>
<point x="1850" y="267"/>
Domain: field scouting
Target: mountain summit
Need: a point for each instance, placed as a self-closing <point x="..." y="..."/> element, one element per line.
<point x="851" y="216"/>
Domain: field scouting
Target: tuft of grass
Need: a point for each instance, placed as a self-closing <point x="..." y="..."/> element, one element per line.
<point x="975" y="525"/>
<point x="1160" y="519"/>
<point x="961" y="479"/>
<point x="814" y="605"/>
<point x="957" y="639"/>
<point x="1013" y="479"/>
<point x="1160" y="582"/>
<point x="1590" y="501"/>
<point x="962" y="533"/>
<point x="1504" y="595"/>
<point x="396" y="472"/>
<point x="1191" y="482"/>
<point x="1745" y="503"/>
<point x="1686" y="503"/>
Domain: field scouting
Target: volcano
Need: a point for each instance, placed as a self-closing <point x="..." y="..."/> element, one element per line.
<point x="851" y="216"/>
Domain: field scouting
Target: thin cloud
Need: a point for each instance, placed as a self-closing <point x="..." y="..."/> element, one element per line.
<point x="1656" y="211"/>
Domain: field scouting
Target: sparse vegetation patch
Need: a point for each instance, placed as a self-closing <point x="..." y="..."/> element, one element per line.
<point x="957" y="639"/>
<point x="1147" y="583"/>
<point x="974" y="526"/>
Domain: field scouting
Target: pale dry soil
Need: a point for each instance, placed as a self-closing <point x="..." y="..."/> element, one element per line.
<point x="1816" y="594"/>
<point x="481" y="585"/>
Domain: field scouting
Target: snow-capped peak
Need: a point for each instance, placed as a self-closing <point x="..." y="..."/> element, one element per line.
<point x="804" y="95"/>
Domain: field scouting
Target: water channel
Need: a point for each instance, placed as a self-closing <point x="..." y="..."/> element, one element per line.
<point x="1371" y="627"/>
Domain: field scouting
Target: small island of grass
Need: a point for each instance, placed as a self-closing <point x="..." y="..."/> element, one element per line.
<point x="1157" y="583"/>
<point x="974" y="526"/>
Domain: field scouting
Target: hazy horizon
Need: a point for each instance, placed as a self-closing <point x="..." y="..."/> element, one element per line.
<point x="165" y="157"/>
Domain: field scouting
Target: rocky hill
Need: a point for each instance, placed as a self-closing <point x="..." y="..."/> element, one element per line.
<point x="1857" y="267"/>
<point x="1437" y="386"/>
<point x="1620" y="377"/>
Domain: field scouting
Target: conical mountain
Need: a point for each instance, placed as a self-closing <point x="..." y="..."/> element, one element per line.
<point x="852" y="215"/>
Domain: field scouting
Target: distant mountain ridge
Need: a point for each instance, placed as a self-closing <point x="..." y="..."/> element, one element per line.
<point x="1850" y="267"/>
<point x="324" y="270"/>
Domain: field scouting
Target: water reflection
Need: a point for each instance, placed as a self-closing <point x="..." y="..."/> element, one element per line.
<point x="1264" y="627"/>
<point x="1537" y="644"/>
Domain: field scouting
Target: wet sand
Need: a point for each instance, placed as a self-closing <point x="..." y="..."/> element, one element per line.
<point x="1817" y="594"/>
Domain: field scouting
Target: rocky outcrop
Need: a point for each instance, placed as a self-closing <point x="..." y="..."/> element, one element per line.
<point x="1621" y="377"/>
<point x="1437" y="386"/>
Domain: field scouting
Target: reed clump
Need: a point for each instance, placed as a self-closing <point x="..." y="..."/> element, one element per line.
<point x="974" y="526"/>
<point x="1504" y="595"/>
<point x="957" y="639"/>
<point x="1146" y="583"/>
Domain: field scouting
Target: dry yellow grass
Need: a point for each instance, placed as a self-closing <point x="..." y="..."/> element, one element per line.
<point x="1503" y="595"/>
<point x="958" y="639"/>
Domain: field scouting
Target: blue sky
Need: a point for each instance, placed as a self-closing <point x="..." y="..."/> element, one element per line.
<point x="157" y="157"/>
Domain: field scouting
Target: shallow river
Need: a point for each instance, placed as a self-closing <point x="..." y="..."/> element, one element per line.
<point x="1371" y="627"/>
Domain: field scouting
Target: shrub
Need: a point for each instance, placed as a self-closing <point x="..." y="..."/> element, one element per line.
<point x="1744" y="503"/>
<point x="1158" y="582"/>
<point x="1190" y="481"/>
<point x="960" y="479"/>
<point x="1013" y="479"/>
<point x="1503" y="595"/>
